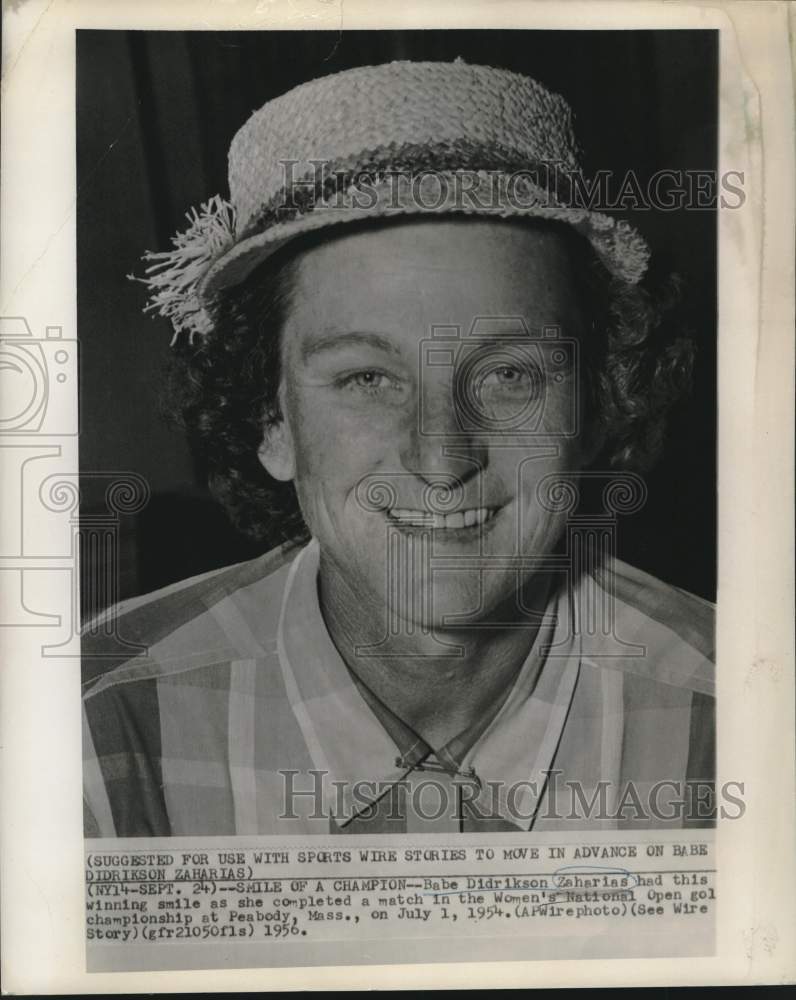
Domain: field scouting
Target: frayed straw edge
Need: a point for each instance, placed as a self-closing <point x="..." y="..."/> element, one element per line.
<point x="173" y="276"/>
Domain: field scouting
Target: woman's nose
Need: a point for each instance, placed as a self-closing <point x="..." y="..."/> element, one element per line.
<point x="437" y="441"/>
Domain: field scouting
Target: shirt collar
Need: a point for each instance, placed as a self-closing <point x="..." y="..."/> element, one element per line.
<point x="356" y="741"/>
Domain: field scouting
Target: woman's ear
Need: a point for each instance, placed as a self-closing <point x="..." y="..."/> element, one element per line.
<point x="276" y="453"/>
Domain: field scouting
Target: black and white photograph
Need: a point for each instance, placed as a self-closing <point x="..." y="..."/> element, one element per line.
<point x="396" y="579"/>
<point x="429" y="544"/>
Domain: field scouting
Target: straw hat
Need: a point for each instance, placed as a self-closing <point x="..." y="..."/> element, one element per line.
<point x="379" y="141"/>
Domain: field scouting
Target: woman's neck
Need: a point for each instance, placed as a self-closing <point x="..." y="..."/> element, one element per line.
<point x="440" y="682"/>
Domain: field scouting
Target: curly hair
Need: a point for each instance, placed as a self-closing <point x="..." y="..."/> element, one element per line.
<point x="224" y="391"/>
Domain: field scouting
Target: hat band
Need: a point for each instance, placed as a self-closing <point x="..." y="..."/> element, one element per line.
<point x="336" y="183"/>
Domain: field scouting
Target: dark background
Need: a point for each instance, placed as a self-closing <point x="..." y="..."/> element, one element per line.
<point x="156" y="112"/>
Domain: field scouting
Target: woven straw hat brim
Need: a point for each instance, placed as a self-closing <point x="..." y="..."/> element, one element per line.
<point x="496" y="131"/>
<point x="616" y="244"/>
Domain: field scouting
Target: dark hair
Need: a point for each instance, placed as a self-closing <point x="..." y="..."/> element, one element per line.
<point x="224" y="390"/>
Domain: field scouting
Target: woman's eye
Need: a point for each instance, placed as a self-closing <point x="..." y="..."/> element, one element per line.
<point x="369" y="381"/>
<point x="508" y="376"/>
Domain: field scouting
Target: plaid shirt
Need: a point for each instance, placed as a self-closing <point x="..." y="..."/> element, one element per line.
<point x="240" y="717"/>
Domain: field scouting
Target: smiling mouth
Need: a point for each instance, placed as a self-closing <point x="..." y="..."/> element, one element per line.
<point x="474" y="517"/>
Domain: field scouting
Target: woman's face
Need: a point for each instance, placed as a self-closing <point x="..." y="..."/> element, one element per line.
<point x="430" y="382"/>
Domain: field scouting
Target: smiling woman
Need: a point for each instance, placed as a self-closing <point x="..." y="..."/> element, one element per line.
<point x="416" y="391"/>
<point x="634" y="366"/>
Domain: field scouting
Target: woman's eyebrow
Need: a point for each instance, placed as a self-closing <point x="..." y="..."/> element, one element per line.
<point x="335" y="341"/>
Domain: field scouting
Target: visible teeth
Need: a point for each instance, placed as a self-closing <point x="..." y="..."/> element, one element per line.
<point x="445" y="522"/>
<point x="411" y="516"/>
